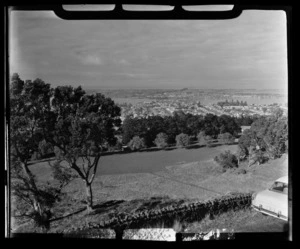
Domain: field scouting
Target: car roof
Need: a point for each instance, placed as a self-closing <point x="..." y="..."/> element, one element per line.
<point x="284" y="179"/>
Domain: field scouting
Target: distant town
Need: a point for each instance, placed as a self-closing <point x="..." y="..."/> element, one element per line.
<point x="159" y="102"/>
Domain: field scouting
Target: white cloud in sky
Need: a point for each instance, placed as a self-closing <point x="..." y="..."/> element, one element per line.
<point x="92" y="60"/>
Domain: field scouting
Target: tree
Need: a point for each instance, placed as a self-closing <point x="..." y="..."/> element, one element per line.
<point x="81" y="126"/>
<point x="29" y="102"/>
<point x="241" y="154"/>
<point x="226" y="138"/>
<point x="128" y="129"/>
<point x="201" y="138"/>
<point x="228" y="124"/>
<point x="227" y="160"/>
<point x="182" y="140"/>
<point x="267" y="138"/>
<point x="211" y="125"/>
<point x="161" y="140"/>
<point x="209" y="141"/>
<point x="136" y="143"/>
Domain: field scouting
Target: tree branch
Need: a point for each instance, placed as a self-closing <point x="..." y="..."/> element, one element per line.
<point x="96" y="160"/>
<point x="74" y="166"/>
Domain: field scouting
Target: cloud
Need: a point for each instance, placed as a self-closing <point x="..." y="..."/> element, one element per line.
<point x="91" y="60"/>
<point x="124" y="62"/>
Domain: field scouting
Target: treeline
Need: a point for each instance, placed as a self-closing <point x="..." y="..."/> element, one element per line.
<point x="179" y="123"/>
<point x="232" y="103"/>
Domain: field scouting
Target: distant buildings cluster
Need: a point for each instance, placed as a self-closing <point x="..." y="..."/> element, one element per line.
<point x="168" y="107"/>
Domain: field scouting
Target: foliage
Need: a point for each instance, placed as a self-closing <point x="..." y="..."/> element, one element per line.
<point x="226" y="138"/>
<point x="227" y="160"/>
<point x="80" y="127"/>
<point x="149" y="128"/>
<point x="246" y="120"/>
<point x="29" y="102"/>
<point x="202" y="138"/>
<point x="136" y="143"/>
<point x="45" y="148"/>
<point x="161" y="140"/>
<point x="182" y="140"/>
<point x="267" y="138"/>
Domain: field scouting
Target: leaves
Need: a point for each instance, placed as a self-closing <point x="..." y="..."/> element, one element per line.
<point x="182" y="140"/>
<point x="161" y="140"/>
<point x="227" y="160"/>
<point x="136" y="143"/>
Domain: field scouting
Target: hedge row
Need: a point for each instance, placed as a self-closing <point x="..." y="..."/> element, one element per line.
<point x="187" y="212"/>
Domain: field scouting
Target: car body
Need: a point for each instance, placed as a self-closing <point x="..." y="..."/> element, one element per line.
<point x="273" y="201"/>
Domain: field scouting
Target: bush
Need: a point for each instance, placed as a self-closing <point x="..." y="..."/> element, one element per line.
<point x="204" y="139"/>
<point x="116" y="147"/>
<point x="201" y="138"/>
<point x="136" y="143"/>
<point x="161" y="140"/>
<point x="241" y="171"/>
<point x="182" y="140"/>
<point x="45" y="148"/>
<point x="226" y="138"/>
<point x="58" y="152"/>
<point x="227" y="160"/>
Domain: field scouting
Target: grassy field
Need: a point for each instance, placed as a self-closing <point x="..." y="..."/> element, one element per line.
<point x="179" y="174"/>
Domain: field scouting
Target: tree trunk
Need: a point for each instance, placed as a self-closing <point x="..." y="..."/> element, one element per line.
<point x="89" y="197"/>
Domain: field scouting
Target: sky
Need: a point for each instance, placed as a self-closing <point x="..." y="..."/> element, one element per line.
<point x="248" y="52"/>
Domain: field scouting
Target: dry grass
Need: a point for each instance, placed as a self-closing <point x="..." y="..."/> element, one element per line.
<point x="241" y="221"/>
<point x="181" y="174"/>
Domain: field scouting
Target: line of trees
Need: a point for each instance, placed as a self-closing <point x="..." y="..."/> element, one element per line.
<point x="180" y="123"/>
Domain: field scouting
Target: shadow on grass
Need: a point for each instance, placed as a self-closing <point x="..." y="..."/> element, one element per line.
<point x="195" y="146"/>
<point x="102" y="207"/>
<point x="68" y="215"/>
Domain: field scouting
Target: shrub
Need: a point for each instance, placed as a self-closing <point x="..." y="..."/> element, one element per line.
<point x="182" y="140"/>
<point x="209" y="141"/>
<point x="45" y="148"/>
<point x="58" y="152"/>
<point x="226" y="138"/>
<point x="116" y="147"/>
<point x="241" y="171"/>
<point x="204" y="139"/>
<point x="201" y="138"/>
<point x="258" y="157"/>
<point x="227" y="160"/>
<point x="161" y="140"/>
<point x="136" y="143"/>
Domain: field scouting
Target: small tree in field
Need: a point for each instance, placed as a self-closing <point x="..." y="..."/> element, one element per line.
<point x="182" y="140"/>
<point x="226" y="138"/>
<point x="209" y="141"/>
<point x="227" y="160"/>
<point x="161" y="140"/>
<point x="136" y="143"/>
<point x="201" y="138"/>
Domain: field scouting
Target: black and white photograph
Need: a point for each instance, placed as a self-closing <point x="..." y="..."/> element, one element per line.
<point x="147" y="129"/>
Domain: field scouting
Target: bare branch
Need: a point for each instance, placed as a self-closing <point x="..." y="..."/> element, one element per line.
<point x="95" y="163"/>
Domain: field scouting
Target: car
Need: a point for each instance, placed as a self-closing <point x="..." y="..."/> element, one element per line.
<point x="273" y="201"/>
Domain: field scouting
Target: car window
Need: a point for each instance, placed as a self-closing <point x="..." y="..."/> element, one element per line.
<point x="279" y="187"/>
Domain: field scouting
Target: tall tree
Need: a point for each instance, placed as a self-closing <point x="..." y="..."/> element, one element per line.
<point x="81" y="128"/>
<point x="29" y="102"/>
